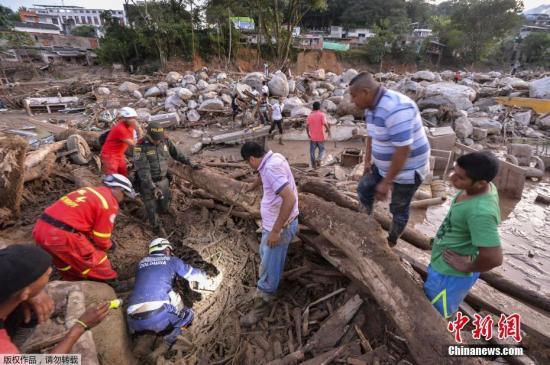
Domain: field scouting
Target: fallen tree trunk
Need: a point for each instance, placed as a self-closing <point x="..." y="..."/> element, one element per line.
<point x="12" y="173"/>
<point x="330" y="193"/>
<point x="380" y="270"/>
<point x="35" y="157"/>
<point x="425" y="203"/>
<point x="209" y="203"/>
<point x="42" y="170"/>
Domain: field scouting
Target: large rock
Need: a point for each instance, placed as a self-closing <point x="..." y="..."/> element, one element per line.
<point x="448" y="75"/>
<point x="226" y="98"/>
<point x="291" y="86"/>
<point x="347" y="107"/>
<point x="202" y="84"/>
<point x="102" y="90"/>
<point x="523" y="119"/>
<point x="318" y="74"/>
<point x="544" y="123"/>
<point x="292" y="103"/>
<point x="153" y="91"/>
<point x="349" y="75"/>
<point x="210" y="95"/>
<point x="163" y="87"/>
<point x="329" y="106"/>
<point x="193" y="115"/>
<point x="336" y="99"/>
<point x="300" y="111"/>
<point x="278" y="85"/>
<point x="188" y="80"/>
<point x="212" y="105"/>
<point x="463" y="127"/>
<point x="221" y="76"/>
<point x="173" y="78"/>
<point x="185" y="94"/>
<point x="424" y="75"/>
<point x="254" y="80"/>
<point x="137" y="94"/>
<point x="240" y="90"/>
<point x="492" y="126"/>
<point x="540" y="88"/>
<point x="192" y="104"/>
<point x="482" y="77"/>
<point x="479" y="134"/>
<point x="143" y="114"/>
<point x="447" y="94"/>
<point x="128" y="87"/>
<point x="172" y="103"/>
<point x="513" y="82"/>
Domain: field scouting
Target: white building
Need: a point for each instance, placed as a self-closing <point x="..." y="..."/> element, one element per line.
<point x="422" y="33"/>
<point x="30" y="27"/>
<point x="68" y="17"/>
<point x="360" y="35"/>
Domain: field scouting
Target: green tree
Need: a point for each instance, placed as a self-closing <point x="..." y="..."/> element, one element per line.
<point x="7" y="16"/>
<point x="535" y="49"/>
<point x="84" y="31"/>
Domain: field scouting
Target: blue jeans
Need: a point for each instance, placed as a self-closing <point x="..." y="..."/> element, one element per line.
<point x="401" y="197"/>
<point x="166" y="321"/>
<point x="446" y="292"/>
<point x="312" y="147"/>
<point x="273" y="258"/>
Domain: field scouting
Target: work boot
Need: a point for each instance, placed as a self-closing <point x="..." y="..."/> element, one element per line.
<point x="394" y="233"/>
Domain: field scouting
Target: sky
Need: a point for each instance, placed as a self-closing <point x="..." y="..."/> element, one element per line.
<point x="117" y="4"/>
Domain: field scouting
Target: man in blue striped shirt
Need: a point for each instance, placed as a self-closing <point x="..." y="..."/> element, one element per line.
<point x="397" y="149"/>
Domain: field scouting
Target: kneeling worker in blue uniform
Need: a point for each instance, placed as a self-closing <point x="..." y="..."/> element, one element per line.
<point x="154" y="306"/>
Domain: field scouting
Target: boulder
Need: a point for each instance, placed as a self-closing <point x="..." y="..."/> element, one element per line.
<point x="153" y="91"/>
<point x="143" y="114"/>
<point x="192" y="104"/>
<point x="495" y="74"/>
<point x="531" y="133"/>
<point x="424" y="75"/>
<point x="479" y="134"/>
<point x="347" y="118"/>
<point x="173" y="91"/>
<point x="221" y="76"/>
<point x="513" y="82"/>
<point x="336" y="99"/>
<point x="173" y="78"/>
<point x="329" y="106"/>
<point x="188" y="80"/>
<point x="524" y="118"/>
<point x="202" y="84"/>
<point x="331" y="120"/>
<point x="192" y="88"/>
<point x="240" y="90"/>
<point x="339" y="92"/>
<point x="196" y="148"/>
<point x="226" y="98"/>
<point x="540" y="88"/>
<point x="102" y="90"/>
<point x="193" y="115"/>
<point x="210" y="95"/>
<point x="163" y="87"/>
<point x="278" y="86"/>
<point x="448" y="75"/>
<point x="172" y="103"/>
<point x="212" y="105"/>
<point x="488" y="91"/>
<point x="196" y="133"/>
<point x="137" y="94"/>
<point x="348" y="75"/>
<point x="128" y="87"/>
<point x="463" y="127"/>
<point x="544" y="123"/>
<point x="492" y="126"/>
<point x="185" y="94"/>
<point x="292" y="103"/>
<point x="346" y="107"/>
<point x="300" y="111"/>
<point x="447" y="94"/>
<point x="328" y="86"/>
<point x="482" y="77"/>
<point x="291" y="86"/>
<point x="318" y="74"/>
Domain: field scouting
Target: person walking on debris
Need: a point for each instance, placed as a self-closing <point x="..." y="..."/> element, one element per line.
<point x="397" y="150"/>
<point x="265" y="88"/>
<point x="277" y="117"/>
<point x="263" y="109"/>
<point x="154" y="306"/>
<point x="24" y="272"/>
<point x="467" y="241"/>
<point x="76" y="230"/>
<point x="316" y="127"/>
<point x="236" y="106"/>
<point x="279" y="212"/>
<point x="266" y="69"/>
<point x="458" y="76"/>
<point x="118" y="139"/>
<point x="151" y="163"/>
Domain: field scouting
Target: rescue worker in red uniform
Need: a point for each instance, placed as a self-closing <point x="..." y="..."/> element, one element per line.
<point x="125" y="133"/>
<point x="76" y="230"/>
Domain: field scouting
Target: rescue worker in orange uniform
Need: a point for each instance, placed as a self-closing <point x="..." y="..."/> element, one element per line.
<point x="124" y="134"/>
<point x="76" y="230"/>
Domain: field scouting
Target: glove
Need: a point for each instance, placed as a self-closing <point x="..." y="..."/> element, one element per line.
<point x="158" y="194"/>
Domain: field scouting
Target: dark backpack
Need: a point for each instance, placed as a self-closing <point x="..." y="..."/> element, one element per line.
<point x="103" y="137"/>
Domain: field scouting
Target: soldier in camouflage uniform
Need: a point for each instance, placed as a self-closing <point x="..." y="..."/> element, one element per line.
<point x="151" y="164"/>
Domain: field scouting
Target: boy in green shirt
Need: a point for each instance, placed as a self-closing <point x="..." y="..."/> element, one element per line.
<point x="467" y="241"/>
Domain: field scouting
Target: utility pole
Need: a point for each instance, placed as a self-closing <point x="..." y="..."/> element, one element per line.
<point x="230" y="38"/>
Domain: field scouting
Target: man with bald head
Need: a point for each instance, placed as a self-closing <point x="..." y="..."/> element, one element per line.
<point x="397" y="149"/>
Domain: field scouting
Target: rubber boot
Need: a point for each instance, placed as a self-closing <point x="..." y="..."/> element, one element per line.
<point x="394" y="233"/>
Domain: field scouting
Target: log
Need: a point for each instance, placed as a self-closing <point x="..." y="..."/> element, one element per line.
<point x="12" y="173"/>
<point x="35" y="157"/>
<point x="42" y="170"/>
<point x="330" y="193"/>
<point x="332" y="329"/>
<point x="289" y="359"/>
<point x="425" y="203"/>
<point x="209" y="203"/>
<point x="380" y="271"/>
<point x="482" y="295"/>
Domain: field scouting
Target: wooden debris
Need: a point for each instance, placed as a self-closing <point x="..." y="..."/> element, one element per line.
<point x="12" y="173"/>
<point x="425" y="203"/>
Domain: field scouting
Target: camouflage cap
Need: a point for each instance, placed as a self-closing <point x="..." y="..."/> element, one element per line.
<point x="155" y="131"/>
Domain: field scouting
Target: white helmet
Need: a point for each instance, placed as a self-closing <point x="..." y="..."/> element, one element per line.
<point x="127" y="112"/>
<point x="120" y="181"/>
<point x="159" y="244"/>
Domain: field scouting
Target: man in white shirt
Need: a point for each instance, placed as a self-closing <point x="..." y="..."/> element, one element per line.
<point x="265" y="88"/>
<point x="277" y="117"/>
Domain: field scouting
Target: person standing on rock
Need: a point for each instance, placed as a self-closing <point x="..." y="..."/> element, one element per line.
<point x="397" y="150"/>
<point x="317" y="129"/>
<point x="277" y="117"/>
<point x="279" y="212"/>
<point x="24" y="272"/>
<point x="263" y="110"/>
<point x="154" y="306"/>
<point x="265" y="88"/>
<point x="76" y="230"/>
<point x="118" y="139"/>
<point x="467" y="241"/>
<point x="151" y="163"/>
